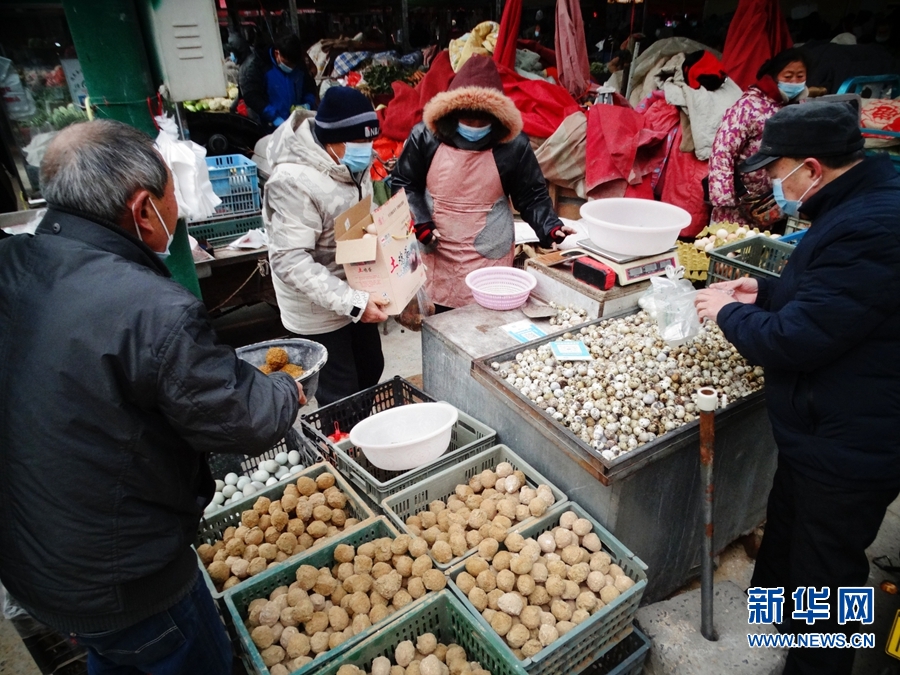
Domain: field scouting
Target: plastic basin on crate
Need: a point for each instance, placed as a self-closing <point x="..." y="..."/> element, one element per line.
<point x="237" y="599"/>
<point x="581" y="646"/>
<point x="444" y="616"/>
<point x="406" y="437"/>
<point x="213" y="526"/>
<point x="309" y="355"/>
<point x="415" y="499"/>
<point x="468" y="437"/>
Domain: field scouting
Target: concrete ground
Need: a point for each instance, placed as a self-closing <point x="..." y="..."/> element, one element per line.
<point x="403" y="356"/>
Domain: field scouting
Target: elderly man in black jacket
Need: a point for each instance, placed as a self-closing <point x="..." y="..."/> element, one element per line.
<point x="828" y="334"/>
<point x="112" y="389"/>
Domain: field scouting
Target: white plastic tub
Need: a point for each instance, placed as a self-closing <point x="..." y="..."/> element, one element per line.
<point x="407" y="437"/>
<point x="638" y="227"/>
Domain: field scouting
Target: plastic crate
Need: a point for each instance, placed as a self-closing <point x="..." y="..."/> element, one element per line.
<point x="468" y="438"/>
<point x="794" y="237"/>
<point x="214" y="525"/>
<point x="444" y="616"/>
<point x="223" y="463"/>
<point x="757" y="256"/>
<point x="237" y="599"/>
<point x="234" y="180"/>
<point x="52" y="652"/>
<point x="415" y="499"/>
<point x="592" y="638"/>
<point x="796" y="225"/>
<point x="626" y="658"/>
<point x="220" y="233"/>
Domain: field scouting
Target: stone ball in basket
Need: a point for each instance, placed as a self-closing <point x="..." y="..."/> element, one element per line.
<point x="406" y="437"/>
<point x="301" y="359"/>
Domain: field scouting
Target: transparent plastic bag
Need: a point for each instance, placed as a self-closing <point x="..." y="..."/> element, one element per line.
<point x="415" y="313"/>
<point x="670" y="302"/>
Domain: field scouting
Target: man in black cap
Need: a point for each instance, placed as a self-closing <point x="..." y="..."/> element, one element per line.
<point x="828" y="334"/>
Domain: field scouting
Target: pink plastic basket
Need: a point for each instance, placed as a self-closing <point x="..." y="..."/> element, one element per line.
<point x="500" y="288"/>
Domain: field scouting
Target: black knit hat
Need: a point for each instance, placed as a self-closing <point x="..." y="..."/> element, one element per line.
<point x="807" y="130"/>
<point x="345" y="114"/>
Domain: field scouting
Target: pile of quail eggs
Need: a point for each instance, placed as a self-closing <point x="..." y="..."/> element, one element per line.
<point x="635" y="388"/>
<point x="568" y="316"/>
<point x="233" y="488"/>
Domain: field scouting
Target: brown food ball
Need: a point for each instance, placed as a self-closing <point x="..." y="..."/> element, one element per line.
<point x="418" y="547"/>
<point x="286" y="543"/>
<point x="269" y="614"/>
<point x="272" y="655"/>
<point x="324" y="481"/>
<point x="358" y="583"/>
<point x="325" y="583"/>
<point x="344" y="553"/>
<point x="317" y="529"/>
<point x="250" y="552"/>
<point x="317" y="623"/>
<point x="421" y="565"/>
<point x="268" y="552"/>
<point x="487" y="580"/>
<point x="475" y="565"/>
<point x="306" y="576"/>
<point x="609" y="593"/>
<point x="261" y="505"/>
<point x="241" y="568"/>
<point x="442" y="552"/>
<point x="501" y="560"/>
<point x="494" y="598"/>
<point x="501" y="623"/>
<point x="378" y="613"/>
<point x="539" y="596"/>
<point x="318" y="642"/>
<point x="257" y="566"/>
<point x="403" y="564"/>
<point x="338" y="618"/>
<point x="561" y="610"/>
<point x="336" y="499"/>
<point x="416" y="588"/>
<point x="525" y="585"/>
<point x="206" y="553"/>
<point x="277" y="358"/>
<point x="297" y="645"/>
<point x="389" y="584"/>
<point x="219" y="572"/>
<point x="230" y="582"/>
<point x="306" y="485"/>
<point x="517" y="636"/>
<point x="362" y="564"/>
<point x="249" y="519"/>
<point x="401" y="599"/>
<point x="434" y="580"/>
<point x="271" y="535"/>
<point x="478" y="598"/>
<point x="254" y="537"/>
<point x="280" y="520"/>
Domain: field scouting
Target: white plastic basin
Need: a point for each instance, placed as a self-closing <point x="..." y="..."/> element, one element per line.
<point x="406" y="437"/>
<point x="638" y="227"/>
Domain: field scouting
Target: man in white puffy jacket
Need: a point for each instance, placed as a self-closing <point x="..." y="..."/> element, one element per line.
<point x="320" y="167"/>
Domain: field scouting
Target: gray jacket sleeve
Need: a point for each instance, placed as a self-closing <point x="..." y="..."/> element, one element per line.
<point x="216" y="401"/>
<point x="295" y="224"/>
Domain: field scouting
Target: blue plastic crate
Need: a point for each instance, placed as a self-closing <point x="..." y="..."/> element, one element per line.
<point x="235" y="182"/>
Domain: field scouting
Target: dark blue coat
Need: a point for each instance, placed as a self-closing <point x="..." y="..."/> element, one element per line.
<point x="827" y="333"/>
<point x="270" y="92"/>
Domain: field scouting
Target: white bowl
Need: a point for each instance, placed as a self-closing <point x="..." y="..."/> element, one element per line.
<point x="407" y="437"/>
<point x="638" y="227"/>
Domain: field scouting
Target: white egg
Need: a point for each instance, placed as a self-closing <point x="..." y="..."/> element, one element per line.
<point x="243" y="481"/>
<point x="269" y="465"/>
<point x="211" y="508"/>
<point x="258" y="485"/>
<point x="296" y="469"/>
<point x="261" y="476"/>
<point x="228" y="491"/>
<point x="271" y="481"/>
<point x="282" y="472"/>
<point x="218" y="499"/>
<point x="219" y="485"/>
<point x="231" y="479"/>
<point x="722" y="233"/>
<point x="249" y="490"/>
<point x="294" y="457"/>
<point x="281" y="458"/>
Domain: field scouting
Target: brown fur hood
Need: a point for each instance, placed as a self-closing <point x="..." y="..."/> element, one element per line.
<point x="441" y="113"/>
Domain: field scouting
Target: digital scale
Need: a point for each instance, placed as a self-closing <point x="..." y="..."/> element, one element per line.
<point x="628" y="269"/>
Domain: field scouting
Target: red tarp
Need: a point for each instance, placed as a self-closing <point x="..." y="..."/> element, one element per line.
<point x="505" y="48"/>
<point x="405" y="110"/>
<point x="757" y="32"/>
<point x="543" y="105"/>
<point x="571" y="48"/>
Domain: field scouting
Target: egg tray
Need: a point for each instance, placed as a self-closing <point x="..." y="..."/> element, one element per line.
<point x="592" y="638"/>
<point x="400" y="506"/>
<point x="442" y="615"/>
<point x="223" y="463"/>
<point x="237" y="599"/>
<point x="213" y="527"/>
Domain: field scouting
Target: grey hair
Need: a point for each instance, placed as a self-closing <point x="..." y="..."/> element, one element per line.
<point x="95" y="167"/>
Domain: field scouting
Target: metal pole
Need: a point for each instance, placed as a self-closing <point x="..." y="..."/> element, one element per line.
<point x="707" y="401"/>
<point x="627" y="73"/>
<point x="295" y="21"/>
<point x="404" y="24"/>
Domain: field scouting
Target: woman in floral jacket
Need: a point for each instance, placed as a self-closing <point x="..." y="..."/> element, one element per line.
<point x="781" y="80"/>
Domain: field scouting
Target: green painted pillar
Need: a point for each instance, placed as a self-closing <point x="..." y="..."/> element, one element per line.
<point x="113" y="58"/>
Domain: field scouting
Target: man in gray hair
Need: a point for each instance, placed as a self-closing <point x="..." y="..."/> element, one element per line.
<point x="112" y="390"/>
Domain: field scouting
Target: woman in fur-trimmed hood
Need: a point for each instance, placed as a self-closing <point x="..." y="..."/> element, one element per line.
<point x="460" y="167"/>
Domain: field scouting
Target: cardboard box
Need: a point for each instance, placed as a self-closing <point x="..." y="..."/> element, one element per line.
<point x="387" y="264"/>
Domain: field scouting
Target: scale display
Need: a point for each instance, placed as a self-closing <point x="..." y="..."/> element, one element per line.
<point x="630" y="269"/>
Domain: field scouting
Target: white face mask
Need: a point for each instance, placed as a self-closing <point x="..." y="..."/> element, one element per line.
<point x="171" y="235"/>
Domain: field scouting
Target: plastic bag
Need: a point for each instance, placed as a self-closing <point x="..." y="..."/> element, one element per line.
<point x="187" y="161"/>
<point x="670" y="302"/>
<point x="418" y="309"/>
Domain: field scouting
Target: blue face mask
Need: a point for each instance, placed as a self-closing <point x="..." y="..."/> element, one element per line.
<point x="284" y="68"/>
<point x="357" y="156"/>
<point x="791" y="89"/>
<point x="232" y="57"/>
<point x="790" y="207"/>
<point x="472" y="134"/>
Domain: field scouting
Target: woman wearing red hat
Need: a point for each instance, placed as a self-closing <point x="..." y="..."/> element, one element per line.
<point x="460" y="167"/>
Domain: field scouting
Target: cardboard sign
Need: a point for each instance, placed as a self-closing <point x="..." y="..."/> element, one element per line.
<point x="385" y="264"/>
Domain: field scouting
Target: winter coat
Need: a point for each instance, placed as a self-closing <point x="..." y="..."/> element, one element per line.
<point x="828" y="334"/>
<point x="270" y="92"/>
<point x="113" y="389"/>
<point x="519" y="171"/>
<point x="738" y="137"/>
<point x="304" y="194"/>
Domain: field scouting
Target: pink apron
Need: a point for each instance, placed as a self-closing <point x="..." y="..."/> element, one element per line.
<point x="472" y="215"/>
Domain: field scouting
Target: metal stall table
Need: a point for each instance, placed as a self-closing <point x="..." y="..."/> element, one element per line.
<point x="646" y="498"/>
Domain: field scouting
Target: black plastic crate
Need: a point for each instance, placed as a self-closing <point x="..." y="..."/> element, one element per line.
<point x="223" y="463"/>
<point x="626" y="658"/>
<point x="347" y="412"/>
